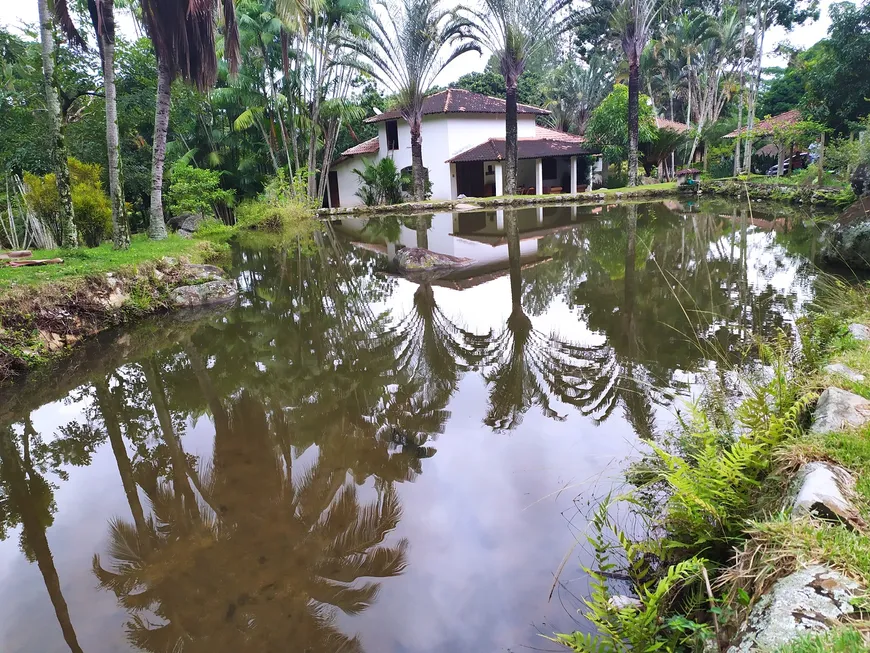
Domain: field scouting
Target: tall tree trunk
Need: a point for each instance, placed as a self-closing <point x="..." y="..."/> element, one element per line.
<point x="633" y="121"/>
<point x="741" y="90"/>
<point x="156" y="221"/>
<point x="107" y="407"/>
<point x="753" y="95"/>
<point x="68" y="236"/>
<point x="417" y="158"/>
<point x="510" y="143"/>
<point x="120" y="226"/>
<point x="33" y="526"/>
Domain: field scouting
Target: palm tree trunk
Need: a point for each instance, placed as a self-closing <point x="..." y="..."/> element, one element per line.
<point x="821" y="163"/>
<point x="120" y="227"/>
<point x="68" y="235"/>
<point x="156" y="222"/>
<point x="633" y="122"/>
<point x="510" y="168"/>
<point x="417" y="158"/>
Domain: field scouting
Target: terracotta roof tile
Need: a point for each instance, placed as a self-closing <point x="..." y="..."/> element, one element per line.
<point x="527" y="148"/>
<point x="370" y="146"/>
<point x="457" y="100"/>
<point x="673" y="125"/>
<point x="765" y="127"/>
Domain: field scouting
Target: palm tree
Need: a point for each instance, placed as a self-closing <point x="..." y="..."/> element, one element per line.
<point x="514" y="30"/>
<point x="69" y="237"/>
<point x="632" y="19"/>
<point x="185" y="45"/>
<point x="401" y="47"/>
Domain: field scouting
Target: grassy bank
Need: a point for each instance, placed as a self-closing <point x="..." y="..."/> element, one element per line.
<point x="712" y="498"/>
<point x="84" y="262"/>
<point x="770" y="188"/>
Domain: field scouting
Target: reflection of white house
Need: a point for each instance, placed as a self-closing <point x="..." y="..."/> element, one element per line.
<point x="463" y="138"/>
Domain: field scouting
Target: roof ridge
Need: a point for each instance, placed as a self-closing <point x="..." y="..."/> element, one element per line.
<point x="447" y="101"/>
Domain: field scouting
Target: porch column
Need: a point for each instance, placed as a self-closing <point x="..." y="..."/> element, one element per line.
<point x="573" y="175"/>
<point x="499" y="179"/>
<point x="453" y="191"/>
<point x="539" y="176"/>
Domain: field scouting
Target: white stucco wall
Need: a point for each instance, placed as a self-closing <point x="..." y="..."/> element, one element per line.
<point x="444" y="136"/>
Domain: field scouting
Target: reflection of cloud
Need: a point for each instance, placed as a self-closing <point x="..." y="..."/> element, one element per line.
<point x="487" y="532"/>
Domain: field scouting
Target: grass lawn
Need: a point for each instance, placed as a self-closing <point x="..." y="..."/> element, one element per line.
<point x="83" y="262"/>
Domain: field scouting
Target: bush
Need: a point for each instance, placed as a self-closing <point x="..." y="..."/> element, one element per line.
<point x="283" y="204"/>
<point x="91" y="205"/>
<point x="381" y="183"/>
<point x="195" y="190"/>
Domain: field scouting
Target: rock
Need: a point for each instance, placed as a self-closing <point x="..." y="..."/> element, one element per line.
<point x="844" y="371"/>
<point x="464" y="206"/>
<point x="847" y="240"/>
<point x="860" y="180"/>
<point x="202" y="272"/>
<point x="205" y="294"/>
<point x="859" y="332"/>
<point x="186" y="223"/>
<point x="417" y="258"/>
<point x="838" y="409"/>
<point x="804" y="602"/>
<point x="826" y="491"/>
<point x="620" y="602"/>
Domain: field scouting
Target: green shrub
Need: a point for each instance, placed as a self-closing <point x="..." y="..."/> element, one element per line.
<point x="91" y="205"/>
<point x="195" y="190"/>
<point x="381" y="183"/>
<point x="283" y="205"/>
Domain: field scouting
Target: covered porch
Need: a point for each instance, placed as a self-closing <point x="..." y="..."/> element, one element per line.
<point x="545" y="166"/>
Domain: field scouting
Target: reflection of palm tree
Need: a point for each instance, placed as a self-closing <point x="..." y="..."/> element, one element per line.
<point x="271" y="567"/>
<point x="529" y="367"/>
<point x="30" y="496"/>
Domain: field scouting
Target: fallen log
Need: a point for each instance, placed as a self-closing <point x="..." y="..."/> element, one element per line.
<point x="38" y="261"/>
<point x="23" y="253"/>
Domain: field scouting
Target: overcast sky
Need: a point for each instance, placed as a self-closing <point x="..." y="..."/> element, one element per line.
<point x="17" y="12"/>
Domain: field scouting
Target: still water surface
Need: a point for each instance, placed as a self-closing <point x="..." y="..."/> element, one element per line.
<point x="352" y="461"/>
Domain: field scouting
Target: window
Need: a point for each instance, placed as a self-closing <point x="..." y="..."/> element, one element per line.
<point x="392" y="135"/>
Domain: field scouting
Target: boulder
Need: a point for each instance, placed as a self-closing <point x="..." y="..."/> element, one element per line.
<point x="847" y="240"/>
<point x="839" y="409"/>
<point x="859" y="332"/>
<point x="842" y="370"/>
<point x="186" y="223"/>
<point x="413" y="259"/>
<point x="204" y="294"/>
<point x="826" y="491"/>
<point x="802" y="603"/>
<point x="860" y="180"/>
<point x="202" y="272"/>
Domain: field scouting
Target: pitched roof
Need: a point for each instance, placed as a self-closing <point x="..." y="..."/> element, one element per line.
<point x="546" y="143"/>
<point x="765" y="127"/>
<point x="457" y="100"/>
<point x="673" y="125"/>
<point x="370" y="146"/>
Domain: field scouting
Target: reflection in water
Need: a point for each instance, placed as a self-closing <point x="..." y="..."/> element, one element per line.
<point x="262" y="456"/>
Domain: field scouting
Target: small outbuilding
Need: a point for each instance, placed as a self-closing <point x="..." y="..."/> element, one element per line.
<point x="688" y="178"/>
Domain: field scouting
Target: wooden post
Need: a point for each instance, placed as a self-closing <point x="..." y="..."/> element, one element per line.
<point x="822" y="160"/>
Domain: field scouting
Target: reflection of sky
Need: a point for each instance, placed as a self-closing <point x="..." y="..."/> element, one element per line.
<point x="489" y="520"/>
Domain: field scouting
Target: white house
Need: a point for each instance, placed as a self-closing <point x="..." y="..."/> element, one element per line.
<point x="463" y="139"/>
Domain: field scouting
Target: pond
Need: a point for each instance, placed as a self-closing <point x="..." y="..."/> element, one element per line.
<point x="351" y="460"/>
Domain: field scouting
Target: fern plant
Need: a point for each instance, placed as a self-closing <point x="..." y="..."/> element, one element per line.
<point x="642" y="625"/>
<point x="712" y="478"/>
